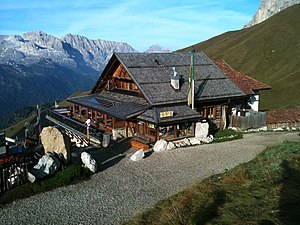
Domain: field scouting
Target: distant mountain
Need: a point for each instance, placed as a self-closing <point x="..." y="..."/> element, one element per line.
<point x="157" y="49"/>
<point x="39" y="68"/>
<point x="268" y="52"/>
<point x="269" y="8"/>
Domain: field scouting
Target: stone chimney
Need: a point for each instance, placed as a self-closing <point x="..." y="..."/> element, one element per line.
<point x="175" y="80"/>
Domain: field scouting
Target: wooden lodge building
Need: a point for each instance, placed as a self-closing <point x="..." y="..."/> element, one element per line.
<point x="145" y="95"/>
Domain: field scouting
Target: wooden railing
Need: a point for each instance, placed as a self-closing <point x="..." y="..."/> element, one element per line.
<point x="13" y="174"/>
<point x="73" y="125"/>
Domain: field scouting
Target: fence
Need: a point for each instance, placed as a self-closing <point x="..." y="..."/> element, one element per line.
<point x="12" y="174"/>
<point x="254" y="120"/>
<point x="67" y="121"/>
<point x="76" y="128"/>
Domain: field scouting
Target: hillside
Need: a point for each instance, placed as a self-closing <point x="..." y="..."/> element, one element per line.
<point x="268" y="52"/>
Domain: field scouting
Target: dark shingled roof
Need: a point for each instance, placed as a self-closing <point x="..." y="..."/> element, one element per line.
<point x="247" y="84"/>
<point x="152" y="73"/>
<point x="180" y="113"/>
<point x="112" y="103"/>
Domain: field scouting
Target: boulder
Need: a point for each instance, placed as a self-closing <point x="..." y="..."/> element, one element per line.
<point x="47" y="165"/>
<point x="201" y="130"/>
<point x="56" y="142"/>
<point x="89" y="162"/>
<point x="138" y="155"/>
<point x="264" y="128"/>
<point x="194" y="141"/>
<point x="177" y="144"/>
<point x="278" y="129"/>
<point x="187" y="142"/>
<point x="31" y="177"/>
<point x="160" y="145"/>
<point x="182" y="143"/>
<point x="208" y="139"/>
<point x="106" y="140"/>
<point x="171" y="146"/>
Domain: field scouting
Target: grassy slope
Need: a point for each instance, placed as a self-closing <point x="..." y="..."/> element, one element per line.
<point x="18" y="129"/>
<point x="263" y="191"/>
<point x="269" y="52"/>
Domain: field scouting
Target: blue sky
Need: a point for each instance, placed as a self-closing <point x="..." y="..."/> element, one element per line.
<point x="140" y="23"/>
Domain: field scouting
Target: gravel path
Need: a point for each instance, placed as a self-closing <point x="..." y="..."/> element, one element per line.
<point x="125" y="188"/>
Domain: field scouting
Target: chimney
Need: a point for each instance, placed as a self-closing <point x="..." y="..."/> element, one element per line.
<point x="175" y="82"/>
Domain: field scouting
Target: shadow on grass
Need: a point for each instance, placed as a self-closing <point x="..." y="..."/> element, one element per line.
<point x="290" y="193"/>
<point x="207" y="214"/>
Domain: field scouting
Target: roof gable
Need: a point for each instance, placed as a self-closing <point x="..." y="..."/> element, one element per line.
<point x="247" y="84"/>
<point x="152" y="73"/>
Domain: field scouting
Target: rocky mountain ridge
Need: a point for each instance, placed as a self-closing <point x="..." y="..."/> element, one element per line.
<point x="269" y="8"/>
<point x="39" y="68"/>
<point x="70" y="50"/>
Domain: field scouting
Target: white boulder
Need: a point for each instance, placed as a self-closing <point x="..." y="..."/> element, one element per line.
<point x="160" y="145"/>
<point x="201" y="130"/>
<point x="208" y="139"/>
<point x="278" y="129"/>
<point x="138" y="155"/>
<point x="194" y="141"/>
<point x="171" y="146"/>
<point x="89" y="162"/>
<point x="186" y="142"/>
<point x="31" y="177"/>
<point x="47" y="165"/>
<point x="106" y="140"/>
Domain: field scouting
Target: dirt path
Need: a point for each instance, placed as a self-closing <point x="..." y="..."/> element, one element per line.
<point x="124" y="188"/>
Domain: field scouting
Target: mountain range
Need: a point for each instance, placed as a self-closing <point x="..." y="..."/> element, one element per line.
<point x="268" y="51"/>
<point x="39" y="68"/>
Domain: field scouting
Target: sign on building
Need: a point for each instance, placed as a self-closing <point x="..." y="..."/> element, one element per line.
<point x="166" y="114"/>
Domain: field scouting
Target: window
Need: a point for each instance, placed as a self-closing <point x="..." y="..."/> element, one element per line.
<point x="208" y="112"/>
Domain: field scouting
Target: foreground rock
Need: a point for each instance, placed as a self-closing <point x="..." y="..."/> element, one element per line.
<point x="56" y="142"/>
<point x="89" y="162"/>
<point x="201" y="130"/>
<point x="138" y="155"/>
<point x="160" y="145"/>
<point x="47" y="165"/>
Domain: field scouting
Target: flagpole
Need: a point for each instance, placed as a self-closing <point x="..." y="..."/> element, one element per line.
<point x="193" y="80"/>
<point x="38" y="118"/>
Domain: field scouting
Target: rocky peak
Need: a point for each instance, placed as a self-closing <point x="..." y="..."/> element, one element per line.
<point x="269" y="8"/>
<point x="44" y="40"/>
<point x="157" y="49"/>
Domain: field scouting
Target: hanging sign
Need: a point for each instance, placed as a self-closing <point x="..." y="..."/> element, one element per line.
<point x="166" y="114"/>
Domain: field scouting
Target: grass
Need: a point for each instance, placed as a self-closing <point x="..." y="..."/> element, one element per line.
<point x="268" y="52"/>
<point x="72" y="174"/>
<point x="263" y="191"/>
<point x="226" y="135"/>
